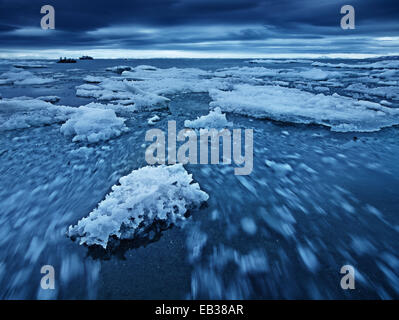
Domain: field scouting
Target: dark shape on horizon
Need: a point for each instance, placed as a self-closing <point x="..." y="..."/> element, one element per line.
<point x="66" y="60"/>
<point x="86" y="58"/>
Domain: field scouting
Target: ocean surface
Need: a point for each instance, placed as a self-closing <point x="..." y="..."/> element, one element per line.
<point x="282" y="232"/>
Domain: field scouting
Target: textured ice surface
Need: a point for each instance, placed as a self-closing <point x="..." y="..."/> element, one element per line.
<point x="279" y="61"/>
<point x="146" y="196"/>
<point x="387" y="64"/>
<point x="293" y="105"/>
<point x="215" y="119"/>
<point x="173" y="80"/>
<point x="122" y="91"/>
<point x="19" y="77"/>
<point x="119" y="69"/>
<point x="25" y="112"/>
<point x="389" y="92"/>
<point x="93" y="125"/>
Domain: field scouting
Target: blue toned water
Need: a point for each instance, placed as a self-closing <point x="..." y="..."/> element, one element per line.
<point x="268" y="235"/>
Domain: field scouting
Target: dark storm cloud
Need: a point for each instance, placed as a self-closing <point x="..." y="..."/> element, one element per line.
<point x="202" y="25"/>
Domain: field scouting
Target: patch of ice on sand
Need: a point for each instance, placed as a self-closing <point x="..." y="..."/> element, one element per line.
<point x="23" y="78"/>
<point x="147" y="196"/>
<point x="249" y="74"/>
<point x="293" y="105"/>
<point x="93" y="125"/>
<point x="25" y="112"/>
<point x="214" y="120"/>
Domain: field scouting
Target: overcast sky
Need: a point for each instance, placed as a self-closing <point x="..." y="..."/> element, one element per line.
<point x="198" y="28"/>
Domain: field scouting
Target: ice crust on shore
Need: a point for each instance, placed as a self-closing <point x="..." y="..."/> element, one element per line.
<point x="293" y="105"/>
<point x="147" y="196"/>
<point x="215" y="119"/>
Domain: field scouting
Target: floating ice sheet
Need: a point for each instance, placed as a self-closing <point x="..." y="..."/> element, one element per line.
<point x="293" y="105"/>
<point x="93" y="125"/>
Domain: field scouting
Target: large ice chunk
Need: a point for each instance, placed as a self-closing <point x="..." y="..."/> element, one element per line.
<point x="93" y="125"/>
<point x="294" y="105"/>
<point x="145" y="197"/>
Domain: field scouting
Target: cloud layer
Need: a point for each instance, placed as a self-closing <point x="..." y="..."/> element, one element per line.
<point x="199" y="27"/>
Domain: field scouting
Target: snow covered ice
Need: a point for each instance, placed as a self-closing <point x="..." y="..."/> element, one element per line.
<point x="25" y="112"/>
<point x="294" y="105"/>
<point x="145" y="197"/>
<point x="321" y="193"/>
<point x="93" y="125"/>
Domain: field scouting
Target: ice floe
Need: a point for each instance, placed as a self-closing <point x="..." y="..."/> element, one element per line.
<point x="297" y="106"/>
<point x="146" y="197"/>
<point x="124" y="92"/>
<point x="119" y="69"/>
<point x="388" y="92"/>
<point x="23" y="77"/>
<point x="173" y="80"/>
<point x="250" y="74"/>
<point x="51" y="99"/>
<point x="93" y="79"/>
<point x="25" y="112"/>
<point x="314" y="74"/>
<point x="387" y="64"/>
<point x="278" y="61"/>
<point x="93" y="125"/>
<point x="214" y="120"/>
